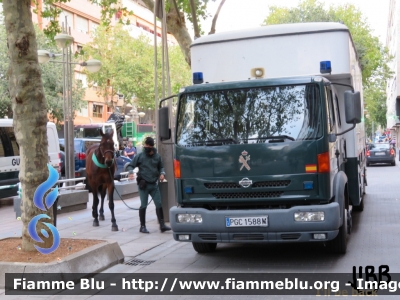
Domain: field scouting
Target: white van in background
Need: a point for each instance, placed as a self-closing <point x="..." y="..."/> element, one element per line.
<point x="10" y="159"/>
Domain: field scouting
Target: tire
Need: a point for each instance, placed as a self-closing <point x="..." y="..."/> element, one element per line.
<point x="204" y="247"/>
<point x="360" y="207"/>
<point x="393" y="163"/>
<point x="339" y="244"/>
<point x="362" y="192"/>
<point x="368" y="164"/>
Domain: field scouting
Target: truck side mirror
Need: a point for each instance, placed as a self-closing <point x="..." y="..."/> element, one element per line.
<point x="163" y="117"/>
<point x="352" y="104"/>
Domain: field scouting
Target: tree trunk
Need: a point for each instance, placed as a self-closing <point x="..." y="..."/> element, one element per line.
<point x="29" y="112"/>
<point x="177" y="27"/>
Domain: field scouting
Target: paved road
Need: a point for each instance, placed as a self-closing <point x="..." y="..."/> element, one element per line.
<point x="374" y="241"/>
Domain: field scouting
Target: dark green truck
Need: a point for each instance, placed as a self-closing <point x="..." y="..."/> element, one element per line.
<point x="268" y="159"/>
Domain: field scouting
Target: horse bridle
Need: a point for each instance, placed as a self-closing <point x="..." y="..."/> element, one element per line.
<point x="103" y="155"/>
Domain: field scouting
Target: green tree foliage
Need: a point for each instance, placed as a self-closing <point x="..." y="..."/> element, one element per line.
<point x="178" y="11"/>
<point x="50" y="11"/>
<point x="128" y="66"/>
<point x="372" y="55"/>
<point x="51" y="78"/>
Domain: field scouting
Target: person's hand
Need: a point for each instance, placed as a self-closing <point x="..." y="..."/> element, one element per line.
<point x="162" y="177"/>
<point x="130" y="176"/>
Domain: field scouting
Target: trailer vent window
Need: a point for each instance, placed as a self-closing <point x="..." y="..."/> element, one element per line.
<point x="251" y="195"/>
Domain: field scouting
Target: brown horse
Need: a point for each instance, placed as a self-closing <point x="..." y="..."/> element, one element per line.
<point x="100" y="169"/>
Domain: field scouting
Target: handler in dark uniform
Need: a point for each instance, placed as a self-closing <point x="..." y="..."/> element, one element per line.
<point x="150" y="170"/>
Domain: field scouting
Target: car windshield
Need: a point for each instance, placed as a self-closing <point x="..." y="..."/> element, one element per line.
<point x="381" y="146"/>
<point x="252" y="115"/>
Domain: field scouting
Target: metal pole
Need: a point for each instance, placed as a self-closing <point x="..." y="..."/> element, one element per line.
<point x="163" y="49"/>
<point x="66" y="140"/>
<point x="70" y="115"/>
<point x="156" y="78"/>
<point x="373" y="132"/>
<point x="166" y="147"/>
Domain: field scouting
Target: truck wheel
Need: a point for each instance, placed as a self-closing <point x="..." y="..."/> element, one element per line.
<point x="204" y="247"/>
<point x="339" y="243"/>
<point x="360" y="207"/>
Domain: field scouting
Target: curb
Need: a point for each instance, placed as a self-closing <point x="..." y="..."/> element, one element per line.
<point x="87" y="261"/>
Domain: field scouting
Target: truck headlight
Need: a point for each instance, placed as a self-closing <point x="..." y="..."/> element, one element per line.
<point x="309" y="216"/>
<point x="189" y="218"/>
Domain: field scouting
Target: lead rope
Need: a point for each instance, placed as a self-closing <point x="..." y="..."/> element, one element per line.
<point x="109" y="171"/>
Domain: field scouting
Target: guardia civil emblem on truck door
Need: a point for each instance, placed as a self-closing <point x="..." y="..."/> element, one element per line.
<point x="244" y="158"/>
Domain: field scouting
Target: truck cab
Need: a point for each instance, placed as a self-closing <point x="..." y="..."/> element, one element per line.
<point x="269" y="144"/>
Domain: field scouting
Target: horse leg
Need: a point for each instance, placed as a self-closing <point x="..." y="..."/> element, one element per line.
<point x="94" y="207"/>
<point x="110" y="188"/>
<point x="103" y="190"/>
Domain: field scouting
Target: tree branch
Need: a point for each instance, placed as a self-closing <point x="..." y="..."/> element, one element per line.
<point x="214" y="21"/>
<point x="194" y="19"/>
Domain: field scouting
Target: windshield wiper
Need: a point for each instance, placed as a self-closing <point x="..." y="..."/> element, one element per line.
<point x="273" y="137"/>
<point x="218" y="141"/>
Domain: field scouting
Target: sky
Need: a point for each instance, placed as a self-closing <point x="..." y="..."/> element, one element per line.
<point x="241" y="14"/>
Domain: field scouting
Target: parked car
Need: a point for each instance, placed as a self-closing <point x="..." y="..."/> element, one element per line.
<point x="80" y="147"/>
<point x="381" y="153"/>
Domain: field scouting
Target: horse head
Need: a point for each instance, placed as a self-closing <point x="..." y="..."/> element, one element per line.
<point x="107" y="146"/>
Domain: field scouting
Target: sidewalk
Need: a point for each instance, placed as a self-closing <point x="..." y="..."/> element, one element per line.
<point x="78" y="225"/>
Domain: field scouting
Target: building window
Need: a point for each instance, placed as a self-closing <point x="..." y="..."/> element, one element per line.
<point x="83" y="112"/>
<point x="82" y="24"/>
<point x="93" y="27"/>
<point x="78" y="49"/>
<point x="70" y="18"/>
<point x="97" y="111"/>
<point x="82" y="78"/>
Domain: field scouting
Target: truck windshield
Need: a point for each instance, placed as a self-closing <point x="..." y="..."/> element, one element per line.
<point x="252" y="115"/>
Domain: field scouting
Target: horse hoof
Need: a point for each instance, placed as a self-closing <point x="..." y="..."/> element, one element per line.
<point x="114" y="228"/>
<point x="101" y="218"/>
<point x="95" y="223"/>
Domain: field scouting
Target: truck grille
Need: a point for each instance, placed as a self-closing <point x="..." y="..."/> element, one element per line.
<point x="234" y="185"/>
<point x="208" y="237"/>
<point x="222" y="185"/>
<point x="290" y="236"/>
<point x="271" y="183"/>
<point x="246" y="195"/>
<point x="248" y="237"/>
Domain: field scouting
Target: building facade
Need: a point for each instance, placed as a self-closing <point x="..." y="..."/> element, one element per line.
<point x="83" y="17"/>
<point x="392" y="88"/>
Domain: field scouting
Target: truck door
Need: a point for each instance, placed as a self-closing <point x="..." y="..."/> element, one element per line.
<point x="332" y="129"/>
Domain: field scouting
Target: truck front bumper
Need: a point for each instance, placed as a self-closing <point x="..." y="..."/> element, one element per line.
<point x="281" y="226"/>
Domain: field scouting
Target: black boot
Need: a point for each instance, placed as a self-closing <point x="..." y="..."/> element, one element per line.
<point x="160" y="217"/>
<point x="142" y="217"/>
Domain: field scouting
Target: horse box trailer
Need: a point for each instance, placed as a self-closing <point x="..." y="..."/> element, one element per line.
<point x="269" y="144"/>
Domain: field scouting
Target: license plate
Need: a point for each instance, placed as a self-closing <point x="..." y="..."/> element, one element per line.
<point x="261" y="221"/>
<point x="380" y="153"/>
